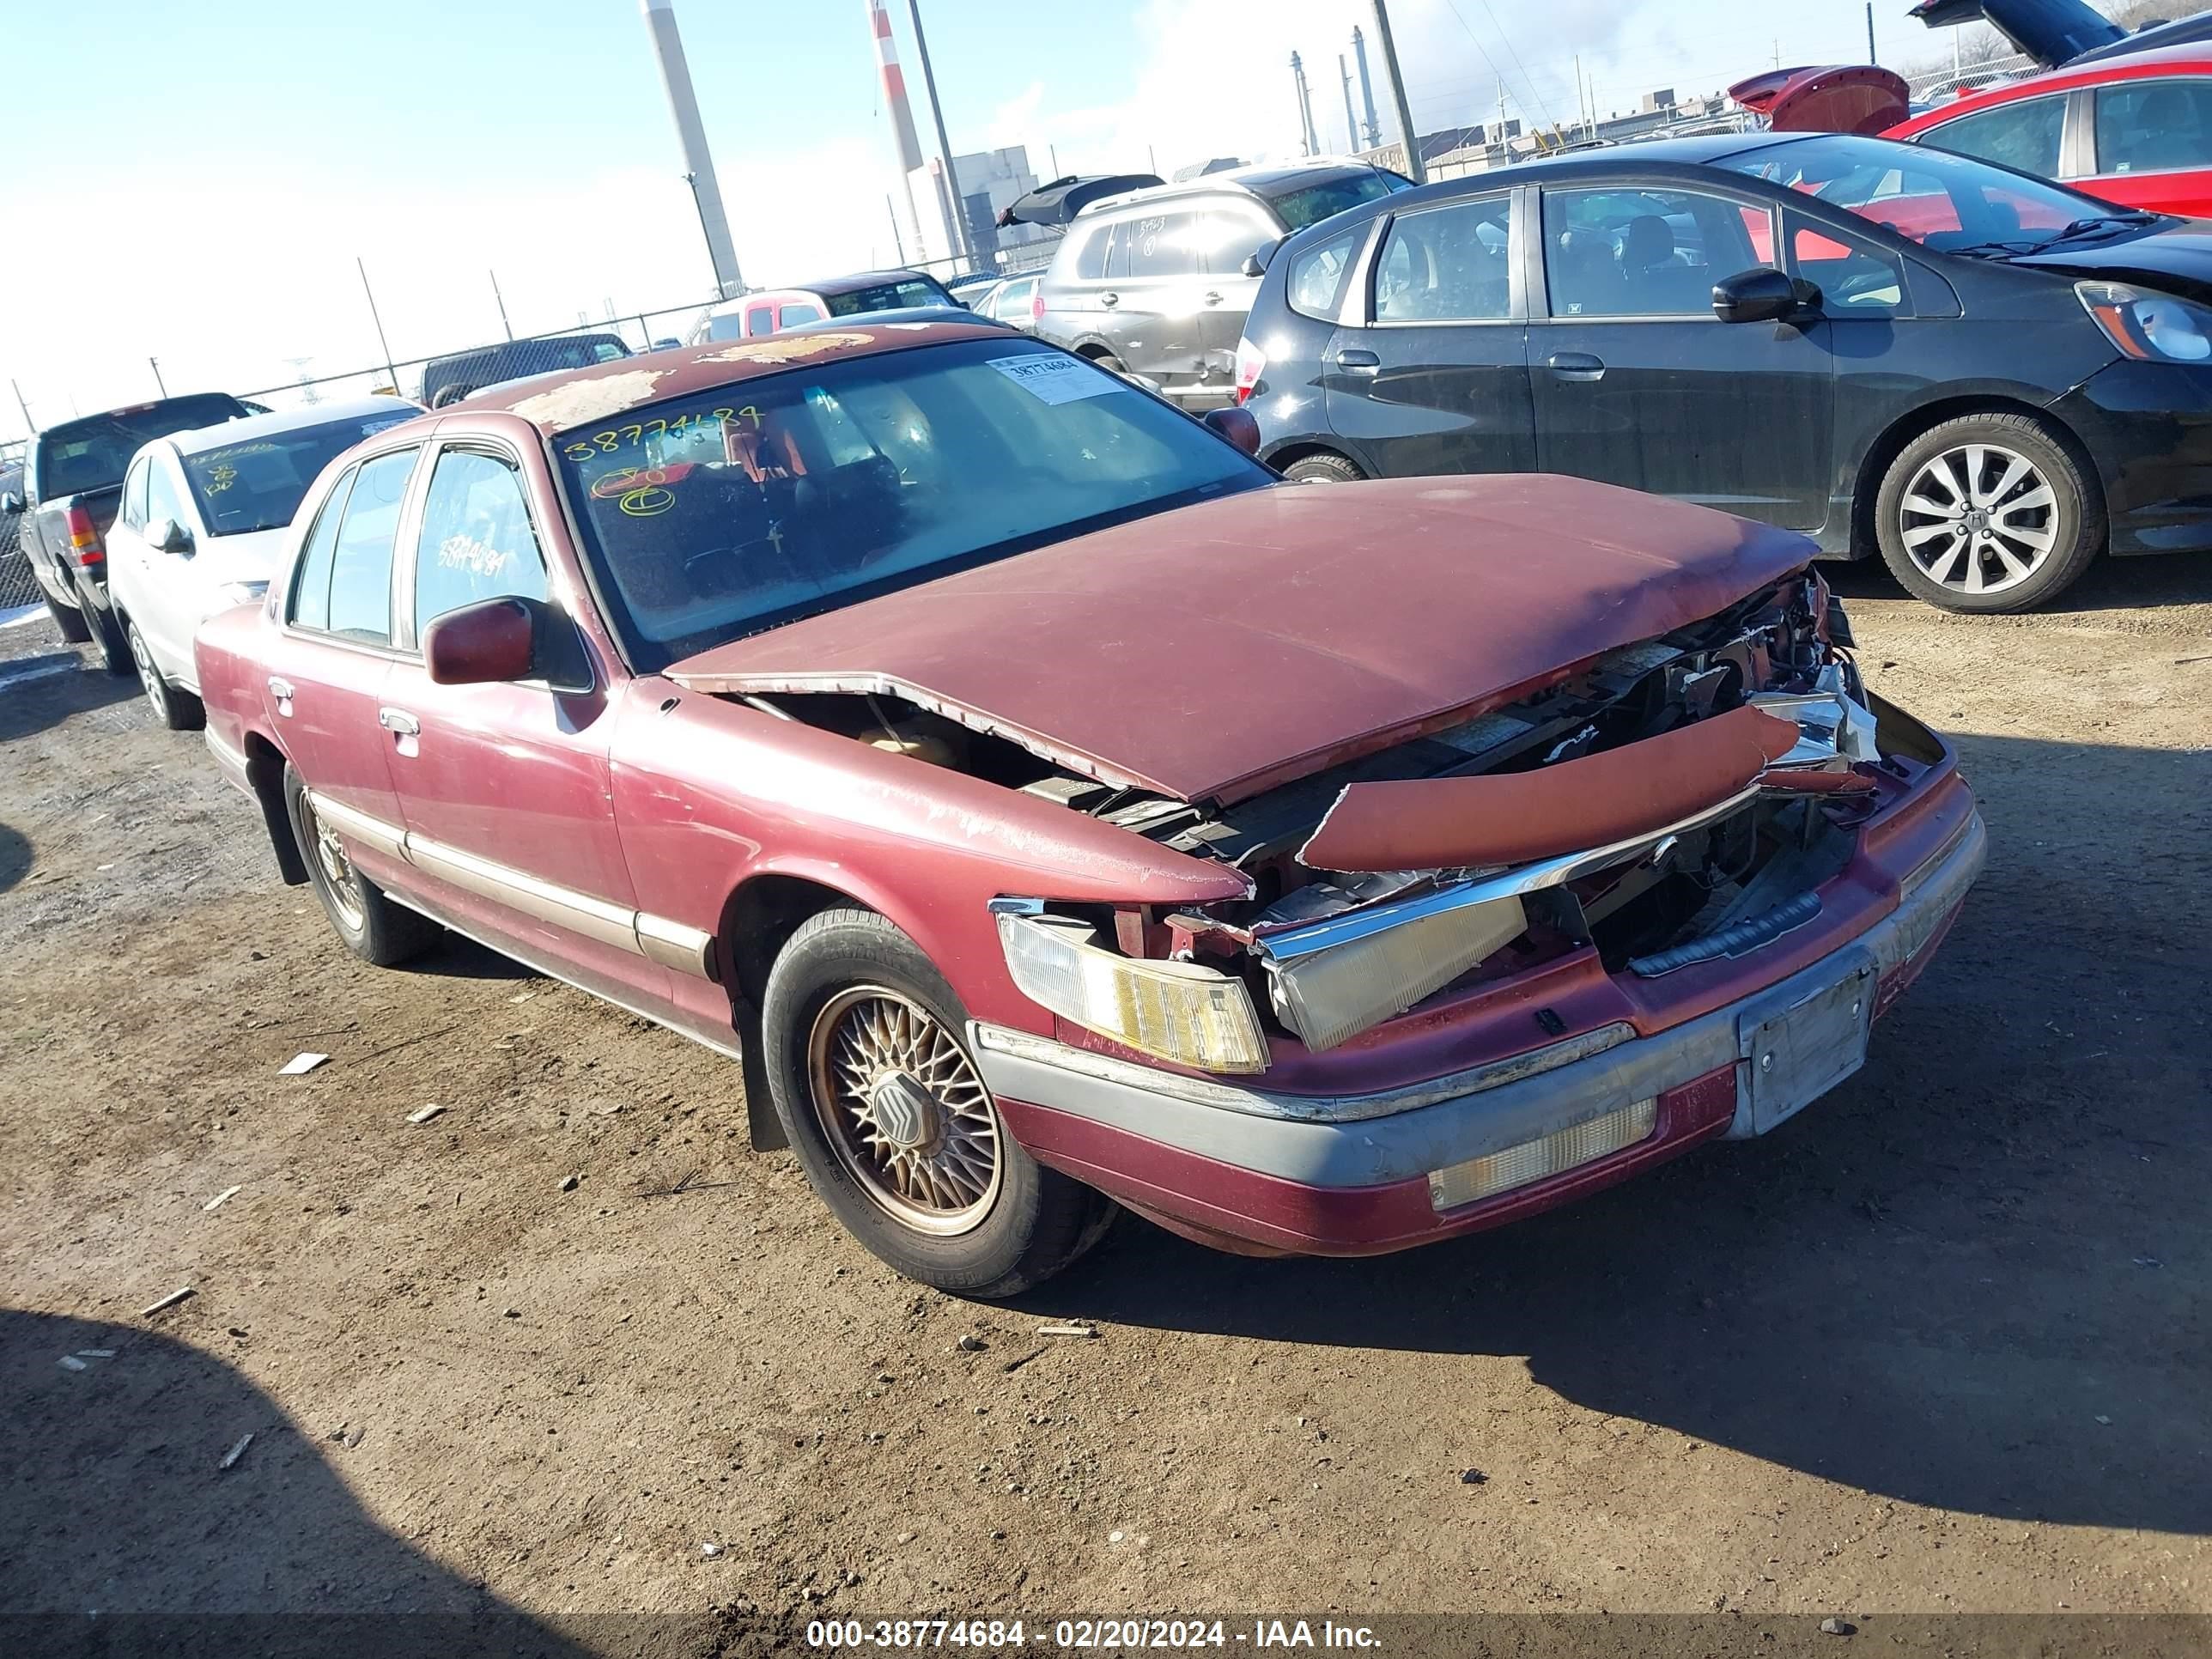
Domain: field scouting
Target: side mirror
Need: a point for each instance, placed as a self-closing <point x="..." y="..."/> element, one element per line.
<point x="168" y="536"/>
<point x="489" y="643"/>
<point x="1237" y="424"/>
<point x="1252" y="267"/>
<point x="11" y="502"/>
<point x="1761" y="294"/>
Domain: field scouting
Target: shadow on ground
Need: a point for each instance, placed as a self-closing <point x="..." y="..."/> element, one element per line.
<point x="1975" y="1277"/>
<point x="16" y="856"/>
<point x="29" y="706"/>
<point x="2131" y="584"/>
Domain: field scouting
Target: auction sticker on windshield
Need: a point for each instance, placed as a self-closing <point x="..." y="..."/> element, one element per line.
<point x="1055" y="380"/>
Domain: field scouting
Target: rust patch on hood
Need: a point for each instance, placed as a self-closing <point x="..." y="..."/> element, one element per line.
<point x="785" y="348"/>
<point x="1516" y="817"/>
<point x="578" y="402"/>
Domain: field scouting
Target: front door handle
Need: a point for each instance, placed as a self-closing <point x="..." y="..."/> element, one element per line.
<point x="1576" y="365"/>
<point x="279" y="690"/>
<point x="1110" y="298"/>
<point x="1359" y="360"/>
<point x="399" y="720"/>
<point x="1211" y="298"/>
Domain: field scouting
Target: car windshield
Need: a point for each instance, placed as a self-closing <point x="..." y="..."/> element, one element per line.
<point x="723" y="512"/>
<point x="94" y="453"/>
<point x="888" y="296"/>
<point x="256" y="485"/>
<point x="1300" y="205"/>
<point x="1947" y="203"/>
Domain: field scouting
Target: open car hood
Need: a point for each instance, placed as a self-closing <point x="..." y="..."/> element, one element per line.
<point x="1213" y="652"/>
<point x="2056" y="32"/>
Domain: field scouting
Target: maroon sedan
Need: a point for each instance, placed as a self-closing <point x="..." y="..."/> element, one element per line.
<point x="1055" y="809"/>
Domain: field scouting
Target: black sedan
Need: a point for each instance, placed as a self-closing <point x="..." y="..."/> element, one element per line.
<point x="1985" y="378"/>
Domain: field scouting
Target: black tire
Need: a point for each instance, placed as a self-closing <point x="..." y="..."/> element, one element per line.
<point x="174" y="707"/>
<point x="1323" y="468"/>
<point x="840" y="972"/>
<point x="114" y="649"/>
<point x="374" y="927"/>
<point x="1109" y="362"/>
<point x="2023" y="542"/>
<point x="71" y="620"/>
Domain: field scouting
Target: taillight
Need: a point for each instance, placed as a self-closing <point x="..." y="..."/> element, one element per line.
<point x="84" y="538"/>
<point x="1251" y="362"/>
<point x="1036" y="306"/>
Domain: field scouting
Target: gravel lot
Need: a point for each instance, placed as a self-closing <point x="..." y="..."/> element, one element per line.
<point x="1938" y="1345"/>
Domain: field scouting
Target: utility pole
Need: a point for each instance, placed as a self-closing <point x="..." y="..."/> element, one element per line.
<point x="388" y="369"/>
<point x="154" y="363"/>
<point x="698" y="164"/>
<point x="499" y="299"/>
<point x="1416" y="168"/>
<point x="1351" y="126"/>
<point x="1872" y="57"/>
<point x="944" y="144"/>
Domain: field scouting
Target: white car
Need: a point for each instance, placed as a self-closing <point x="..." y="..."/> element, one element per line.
<point x="202" y="525"/>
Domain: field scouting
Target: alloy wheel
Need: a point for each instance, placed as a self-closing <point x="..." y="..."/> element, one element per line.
<point x="149" y="677"/>
<point x="904" y="1111"/>
<point x="1979" y="519"/>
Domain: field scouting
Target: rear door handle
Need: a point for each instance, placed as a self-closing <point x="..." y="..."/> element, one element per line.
<point x="1210" y="299"/>
<point x="1110" y="298"/>
<point x="399" y="720"/>
<point x="1359" y="360"/>
<point x="1576" y="365"/>
<point x="279" y="690"/>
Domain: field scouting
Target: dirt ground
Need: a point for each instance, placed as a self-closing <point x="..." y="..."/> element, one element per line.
<point x="1938" y="1345"/>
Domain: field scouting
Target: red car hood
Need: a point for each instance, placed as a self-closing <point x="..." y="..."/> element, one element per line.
<point x="1217" y="650"/>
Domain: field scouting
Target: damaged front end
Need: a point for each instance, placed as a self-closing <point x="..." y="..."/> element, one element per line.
<point x="1676" y="802"/>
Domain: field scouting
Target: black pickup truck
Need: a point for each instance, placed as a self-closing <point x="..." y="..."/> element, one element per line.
<point x="72" y="484"/>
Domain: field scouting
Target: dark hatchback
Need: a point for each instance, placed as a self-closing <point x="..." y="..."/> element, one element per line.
<point x="1985" y="377"/>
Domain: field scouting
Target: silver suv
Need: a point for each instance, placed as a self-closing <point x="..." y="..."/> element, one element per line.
<point x="1153" y="282"/>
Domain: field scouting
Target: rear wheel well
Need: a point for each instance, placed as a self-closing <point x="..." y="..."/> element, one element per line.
<point x="1291" y="454"/>
<point x="758" y="921"/>
<point x="1885" y="449"/>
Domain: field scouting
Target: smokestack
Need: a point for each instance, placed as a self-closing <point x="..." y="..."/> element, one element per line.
<point x="1351" y="126"/>
<point x="1306" y="106"/>
<point x="698" y="165"/>
<point x="1366" y="87"/>
<point x="895" y="105"/>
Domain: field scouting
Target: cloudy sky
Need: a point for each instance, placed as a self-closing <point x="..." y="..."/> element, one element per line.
<point x="194" y="184"/>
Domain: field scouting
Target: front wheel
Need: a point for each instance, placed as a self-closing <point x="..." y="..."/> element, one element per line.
<point x="374" y="927"/>
<point x="174" y="707"/>
<point x="868" y="1068"/>
<point x="1988" y="514"/>
<point x="1323" y="468"/>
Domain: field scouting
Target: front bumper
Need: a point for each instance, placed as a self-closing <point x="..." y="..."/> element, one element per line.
<point x="1245" y="1169"/>
<point x="2148" y="429"/>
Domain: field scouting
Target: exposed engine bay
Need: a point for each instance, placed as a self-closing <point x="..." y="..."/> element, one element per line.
<point x="1760" y="756"/>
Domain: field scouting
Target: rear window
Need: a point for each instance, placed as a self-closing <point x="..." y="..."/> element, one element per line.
<point x="1301" y="205"/>
<point x="476" y="370"/>
<point x="888" y="296"/>
<point x="94" y="453"/>
<point x="256" y="485"/>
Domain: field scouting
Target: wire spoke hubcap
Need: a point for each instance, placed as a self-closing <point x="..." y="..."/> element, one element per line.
<point x="904" y="1110"/>
<point x="1978" y="518"/>
<point x="334" y="866"/>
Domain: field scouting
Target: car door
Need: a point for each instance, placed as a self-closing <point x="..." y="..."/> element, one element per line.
<point x="2150" y="145"/>
<point x="1637" y="382"/>
<point x="504" y="789"/>
<point x="1230" y="233"/>
<point x="167" y="591"/>
<point x="1432" y="374"/>
<point x="129" y="578"/>
<point x="1153" y="297"/>
<point x="328" y="662"/>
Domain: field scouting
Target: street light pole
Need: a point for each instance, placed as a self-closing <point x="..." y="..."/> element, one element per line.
<point x="944" y="144"/>
<point x="499" y="299"/>
<point x="154" y="363"/>
<point x="1416" y="169"/>
<point x="389" y="370"/>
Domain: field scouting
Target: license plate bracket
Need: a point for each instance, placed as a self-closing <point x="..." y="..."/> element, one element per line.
<point x="1797" y="1054"/>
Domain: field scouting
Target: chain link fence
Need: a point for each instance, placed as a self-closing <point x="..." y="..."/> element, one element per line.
<point x="18" y="587"/>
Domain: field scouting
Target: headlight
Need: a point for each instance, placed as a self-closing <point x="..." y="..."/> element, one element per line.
<point x="1178" y="1010"/>
<point x="243" y="592"/>
<point x="2154" y="327"/>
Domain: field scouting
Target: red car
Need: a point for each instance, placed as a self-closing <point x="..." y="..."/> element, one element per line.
<point x="2135" y="129"/>
<point x="1052" y="805"/>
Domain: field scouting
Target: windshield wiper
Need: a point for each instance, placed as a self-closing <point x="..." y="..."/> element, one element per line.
<point x="2095" y="221"/>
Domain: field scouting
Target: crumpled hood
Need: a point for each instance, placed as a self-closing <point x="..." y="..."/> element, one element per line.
<point x="1213" y="652"/>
